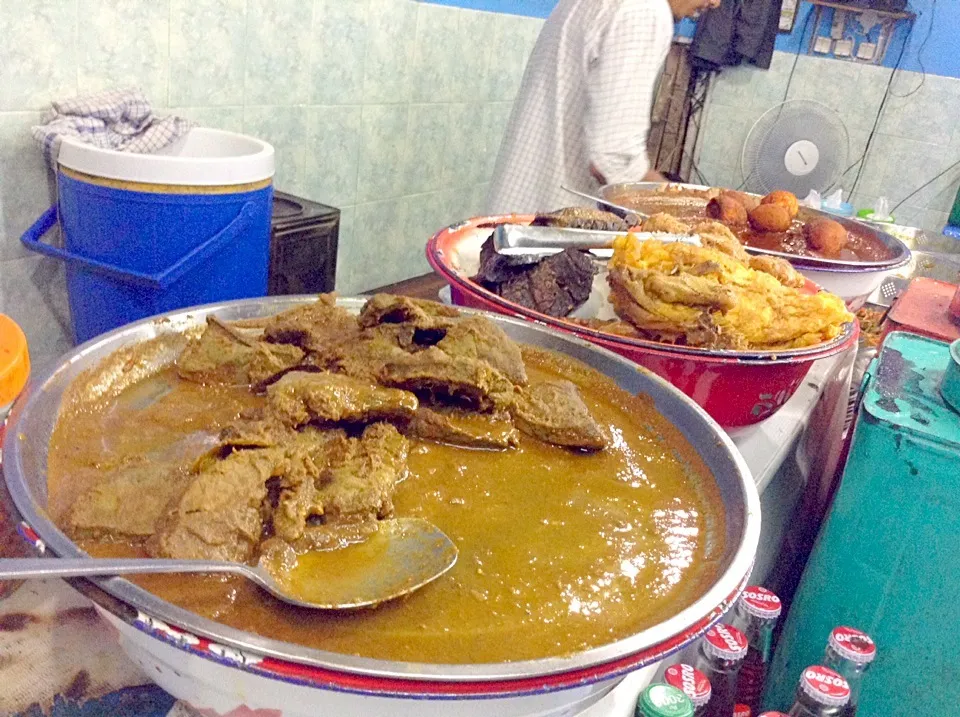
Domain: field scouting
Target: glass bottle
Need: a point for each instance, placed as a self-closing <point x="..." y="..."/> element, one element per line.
<point x="693" y="683"/>
<point x="850" y="653"/>
<point x="821" y="693"/>
<point x="756" y="615"/>
<point x="719" y="656"/>
<point x="663" y="701"/>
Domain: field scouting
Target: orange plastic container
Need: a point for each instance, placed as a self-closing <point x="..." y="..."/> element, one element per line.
<point x="14" y="372"/>
<point x="14" y="363"/>
<point x="924" y="308"/>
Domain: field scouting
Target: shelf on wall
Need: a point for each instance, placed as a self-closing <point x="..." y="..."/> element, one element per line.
<point x="890" y="14"/>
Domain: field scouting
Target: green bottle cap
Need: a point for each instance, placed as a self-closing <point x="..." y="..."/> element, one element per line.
<point x="664" y="701"/>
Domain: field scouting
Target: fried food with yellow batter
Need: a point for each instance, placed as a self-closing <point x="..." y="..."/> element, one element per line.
<point x="663" y="222"/>
<point x="700" y="296"/>
<point x="779" y="269"/>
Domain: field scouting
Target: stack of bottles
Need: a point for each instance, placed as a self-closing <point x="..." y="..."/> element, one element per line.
<point x="725" y="676"/>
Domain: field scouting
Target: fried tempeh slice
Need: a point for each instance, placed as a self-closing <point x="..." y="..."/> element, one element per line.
<point x="554" y="412"/>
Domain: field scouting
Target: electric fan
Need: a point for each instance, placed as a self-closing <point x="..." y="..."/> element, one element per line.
<point x="798" y="145"/>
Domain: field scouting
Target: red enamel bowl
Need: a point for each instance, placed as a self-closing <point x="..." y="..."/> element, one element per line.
<point x="737" y="388"/>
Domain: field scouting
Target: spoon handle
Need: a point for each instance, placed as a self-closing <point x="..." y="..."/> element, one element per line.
<point x="22" y="568"/>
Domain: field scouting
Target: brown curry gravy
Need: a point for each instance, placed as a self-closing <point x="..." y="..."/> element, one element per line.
<point x="559" y="551"/>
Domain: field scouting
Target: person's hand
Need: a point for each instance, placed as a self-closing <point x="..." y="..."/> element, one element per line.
<point x="654" y="176"/>
<point x="690" y="8"/>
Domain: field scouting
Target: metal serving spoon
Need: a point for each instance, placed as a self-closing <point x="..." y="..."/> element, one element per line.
<point x="415" y="552"/>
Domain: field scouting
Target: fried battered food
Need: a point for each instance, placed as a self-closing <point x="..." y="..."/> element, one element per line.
<point x="787" y="200"/>
<point x="749" y="201"/>
<point x="699" y="296"/>
<point x="717" y="235"/>
<point x="779" y="269"/>
<point x="728" y="210"/>
<point x="826" y="236"/>
<point x="770" y="218"/>
<point x="664" y="222"/>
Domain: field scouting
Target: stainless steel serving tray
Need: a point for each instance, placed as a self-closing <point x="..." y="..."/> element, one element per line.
<point x="900" y="252"/>
<point x="35" y="415"/>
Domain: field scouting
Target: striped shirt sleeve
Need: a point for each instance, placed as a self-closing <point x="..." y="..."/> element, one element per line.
<point x="623" y="67"/>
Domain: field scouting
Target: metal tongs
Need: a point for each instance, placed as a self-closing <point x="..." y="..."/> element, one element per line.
<point x="528" y="241"/>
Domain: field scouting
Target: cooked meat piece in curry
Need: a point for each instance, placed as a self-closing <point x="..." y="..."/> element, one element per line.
<point x="447" y="424"/>
<point x="466" y="382"/>
<point x="314" y="326"/>
<point x="224" y="355"/>
<point x="476" y="338"/>
<point x="300" y="397"/>
<point x="554" y="412"/>
<point x="388" y="309"/>
<point x="127" y="501"/>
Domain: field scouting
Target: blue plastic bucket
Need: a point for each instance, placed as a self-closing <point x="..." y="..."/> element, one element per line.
<point x="147" y="234"/>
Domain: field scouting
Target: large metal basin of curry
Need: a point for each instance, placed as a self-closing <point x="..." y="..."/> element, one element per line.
<point x="229" y="671"/>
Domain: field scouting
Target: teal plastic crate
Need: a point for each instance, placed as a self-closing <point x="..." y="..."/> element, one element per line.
<point x="887" y="560"/>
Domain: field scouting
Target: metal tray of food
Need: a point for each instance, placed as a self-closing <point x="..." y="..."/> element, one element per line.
<point x="696" y="194"/>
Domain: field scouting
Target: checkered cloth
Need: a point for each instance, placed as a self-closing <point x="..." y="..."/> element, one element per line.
<point x="118" y="119"/>
<point x="585" y="100"/>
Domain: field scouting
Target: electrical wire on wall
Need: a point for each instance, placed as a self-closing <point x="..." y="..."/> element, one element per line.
<point x="888" y="93"/>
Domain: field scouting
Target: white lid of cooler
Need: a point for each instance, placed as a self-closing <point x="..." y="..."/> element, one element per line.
<point x="202" y="157"/>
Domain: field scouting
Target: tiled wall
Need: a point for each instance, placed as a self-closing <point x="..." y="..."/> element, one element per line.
<point x="391" y="110"/>
<point x="917" y="137"/>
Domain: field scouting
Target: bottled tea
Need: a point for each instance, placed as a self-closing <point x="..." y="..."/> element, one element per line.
<point x="849" y="653"/>
<point x="693" y="683"/>
<point x="821" y="693"/>
<point x="663" y="701"/>
<point x="757" y="611"/>
<point x="719" y="656"/>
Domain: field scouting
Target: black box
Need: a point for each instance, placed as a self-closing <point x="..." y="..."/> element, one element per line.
<point x="303" y="246"/>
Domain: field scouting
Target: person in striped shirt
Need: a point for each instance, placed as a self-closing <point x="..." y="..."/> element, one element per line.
<point x="582" y="114"/>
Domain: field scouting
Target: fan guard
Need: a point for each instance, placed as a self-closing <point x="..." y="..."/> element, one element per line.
<point x="797" y="145"/>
